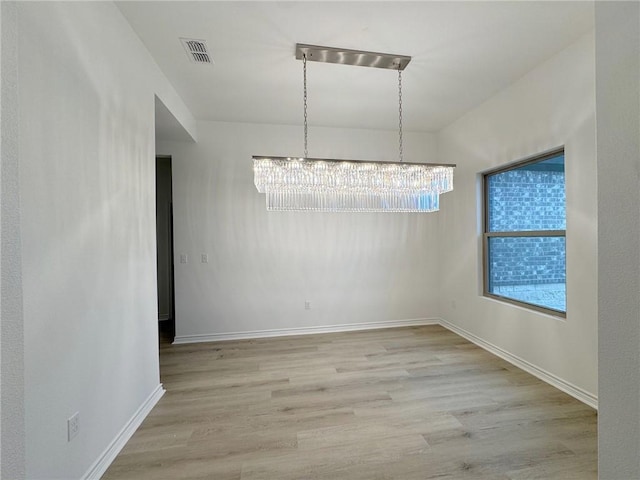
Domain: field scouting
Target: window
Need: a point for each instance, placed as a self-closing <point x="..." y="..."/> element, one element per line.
<point x="524" y="234"/>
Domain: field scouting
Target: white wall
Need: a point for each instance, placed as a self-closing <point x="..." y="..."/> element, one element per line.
<point x="0" y="243"/>
<point x="618" y="107"/>
<point x="551" y="106"/>
<point x="263" y="266"/>
<point x="11" y="332"/>
<point x="87" y="200"/>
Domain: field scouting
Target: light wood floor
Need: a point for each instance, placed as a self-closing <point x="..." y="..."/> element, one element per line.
<point x="406" y="403"/>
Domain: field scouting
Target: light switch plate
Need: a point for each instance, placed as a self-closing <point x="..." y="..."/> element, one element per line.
<point x="73" y="426"/>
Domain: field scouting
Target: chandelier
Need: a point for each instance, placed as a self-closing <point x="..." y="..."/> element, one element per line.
<point x="333" y="185"/>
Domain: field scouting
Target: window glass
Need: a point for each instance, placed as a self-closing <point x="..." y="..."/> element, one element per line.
<point x="529" y="269"/>
<point x="525" y="250"/>
<point x="530" y="197"/>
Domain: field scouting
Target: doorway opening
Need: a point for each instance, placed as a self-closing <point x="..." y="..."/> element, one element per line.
<point x="164" y="242"/>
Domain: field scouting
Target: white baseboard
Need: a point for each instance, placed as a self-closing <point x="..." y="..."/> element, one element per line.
<point x="553" y="380"/>
<point x="104" y="460"/>
<point x="284" y="332"/>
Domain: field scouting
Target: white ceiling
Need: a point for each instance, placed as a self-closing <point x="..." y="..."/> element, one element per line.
<point x="463" y="53"/>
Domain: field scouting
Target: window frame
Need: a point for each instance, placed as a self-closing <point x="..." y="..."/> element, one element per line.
<point x="518" y="233"/>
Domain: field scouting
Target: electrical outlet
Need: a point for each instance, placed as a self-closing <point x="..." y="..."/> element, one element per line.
<point x="204" y="258"/>
<point x="184" y="258"/>
<point x="307" y="305"/>
<point x="73" y="426"/>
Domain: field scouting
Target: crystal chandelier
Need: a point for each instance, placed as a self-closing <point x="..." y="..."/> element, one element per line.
<point x="331" y="185"/>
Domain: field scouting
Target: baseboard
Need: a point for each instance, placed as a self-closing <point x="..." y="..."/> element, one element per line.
<point x="104" y="460"/>
<point x="285" y="332"/>
<point x="553" y="380"/>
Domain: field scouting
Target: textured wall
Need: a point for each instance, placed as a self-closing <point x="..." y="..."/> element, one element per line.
<point x="527" y="200"/>
<point x="618" y="104"/>
<point x="527" y="261"/>
<point x="12" y="410"/>
<point x="87" y="206"/>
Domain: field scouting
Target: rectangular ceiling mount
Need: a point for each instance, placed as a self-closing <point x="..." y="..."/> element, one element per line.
<point x="352" y="57"/>
<point x="197" y="50"/>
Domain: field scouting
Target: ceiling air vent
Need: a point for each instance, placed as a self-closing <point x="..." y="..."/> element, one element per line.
<point x="197" y="50"/>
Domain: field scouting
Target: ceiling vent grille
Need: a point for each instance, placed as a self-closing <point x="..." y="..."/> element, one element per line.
<point x="197" y="50"/>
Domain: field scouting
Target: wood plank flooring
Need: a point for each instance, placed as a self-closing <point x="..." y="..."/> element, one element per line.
<point x="405" y="403"/>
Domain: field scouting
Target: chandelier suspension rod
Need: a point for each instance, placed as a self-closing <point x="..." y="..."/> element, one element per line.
<point x="306" y="123"/>
<point x="400" y="111"/>
<point x="304" y="68"/>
